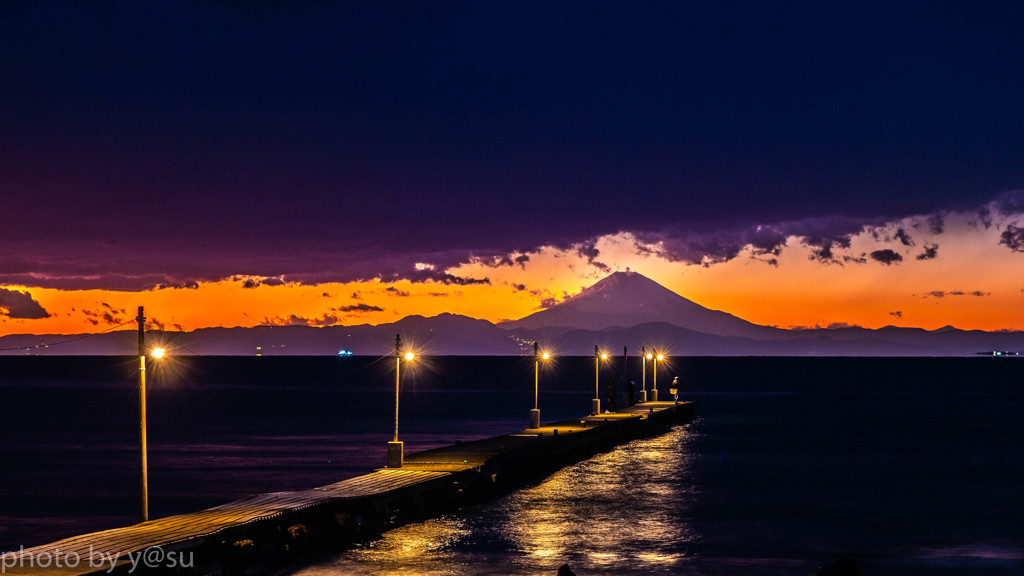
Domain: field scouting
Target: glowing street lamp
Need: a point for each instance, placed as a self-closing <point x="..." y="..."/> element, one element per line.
<point x="157" y="353"/>
<point x="654" y="388"/>
<point x="537" y="357"/>
<point x="396" y="453"/>
<point x="595" y="407"/>
<point x="645" y="355"/>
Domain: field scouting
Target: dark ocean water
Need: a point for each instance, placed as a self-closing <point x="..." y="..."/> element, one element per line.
<point x="908" y="466"/>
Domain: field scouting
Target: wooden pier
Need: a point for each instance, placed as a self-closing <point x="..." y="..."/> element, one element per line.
<point x="261" y="534"/>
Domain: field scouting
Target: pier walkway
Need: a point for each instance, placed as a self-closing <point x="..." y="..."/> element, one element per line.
<point x="262" y="533"/>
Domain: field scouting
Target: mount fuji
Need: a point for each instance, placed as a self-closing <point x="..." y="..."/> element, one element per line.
<point x="627" y="299"/>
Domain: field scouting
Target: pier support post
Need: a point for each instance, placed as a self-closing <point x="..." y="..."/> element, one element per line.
<point x="534" y="419"/>
<point x="595" y="406"/>
<point x="642" y="396"/>
<point x="396" y="454"/>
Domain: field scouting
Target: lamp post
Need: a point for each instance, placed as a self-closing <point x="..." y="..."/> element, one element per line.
<point x="144" y="465"/>
<point x="396" y="455"/>
<point x="643" y="379"/>
<point x="595" y="406"/>
<point x="143" y="443"/>
<point x="654" y="387"/>
<point x="537" y="357"/>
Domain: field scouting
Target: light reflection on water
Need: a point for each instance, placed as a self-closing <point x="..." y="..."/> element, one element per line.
<point x="423" y="549"/>
<point x="613" y="512"/>
<point x="620" y="512"/>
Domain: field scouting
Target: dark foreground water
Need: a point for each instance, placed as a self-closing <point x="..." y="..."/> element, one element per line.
<point x="908" y="466"/>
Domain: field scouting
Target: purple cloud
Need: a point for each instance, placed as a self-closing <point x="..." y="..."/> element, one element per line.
<point x="1011" y="202"/>
<point x="589" y="251"/>
<point x="886" y="256"/>
<point x="903" y="237"/>
<point x="185" y="285"/>
<point x="362" y="307"/>
<point x="496" y="261"/>
<point x="822" y="235"/>
<point x="1013" y="238"/>
<point x="931" y="252"/>
<point x="91" y="265"/>
<point x="944" y="293"/>
<point x="17" y="304"/>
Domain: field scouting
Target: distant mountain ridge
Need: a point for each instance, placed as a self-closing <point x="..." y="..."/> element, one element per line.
<point x="623" y="309"/>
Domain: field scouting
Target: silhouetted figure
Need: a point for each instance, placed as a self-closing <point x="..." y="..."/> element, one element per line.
<point x="632" y="392"/>
<point x="564" y="570"/>
<point x="610" y="392"/>
<point x="675" y="388"/>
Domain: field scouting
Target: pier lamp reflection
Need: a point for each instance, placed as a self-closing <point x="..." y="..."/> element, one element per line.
<point x="627" y="511"/>
<point x="597" y="502"/>
<point x="396" y="450"/>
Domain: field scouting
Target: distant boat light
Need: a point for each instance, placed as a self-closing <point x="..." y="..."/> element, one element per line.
<point x="344" y="352"/>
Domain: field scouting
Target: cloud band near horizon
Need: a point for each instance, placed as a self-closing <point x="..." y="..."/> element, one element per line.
<point x="156" y="265"/>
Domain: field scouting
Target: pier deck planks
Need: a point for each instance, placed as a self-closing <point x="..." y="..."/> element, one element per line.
<point x="165" y="531"/>
<point x="419" y="467"/>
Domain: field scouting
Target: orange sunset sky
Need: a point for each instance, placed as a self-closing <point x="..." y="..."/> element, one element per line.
<point x="321" y="163"/>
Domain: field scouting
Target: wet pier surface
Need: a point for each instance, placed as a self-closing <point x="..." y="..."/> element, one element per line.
<point x="264" y="533"/>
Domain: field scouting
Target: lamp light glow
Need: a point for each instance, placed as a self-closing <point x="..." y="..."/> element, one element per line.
<point x="158" y="353"/>
<point x="409" y="356"/>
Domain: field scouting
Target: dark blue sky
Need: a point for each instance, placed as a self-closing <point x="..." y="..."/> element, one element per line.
<point x="241" y="137"/>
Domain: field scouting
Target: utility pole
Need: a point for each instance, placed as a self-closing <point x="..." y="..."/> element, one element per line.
<point x="142" y="416"/>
